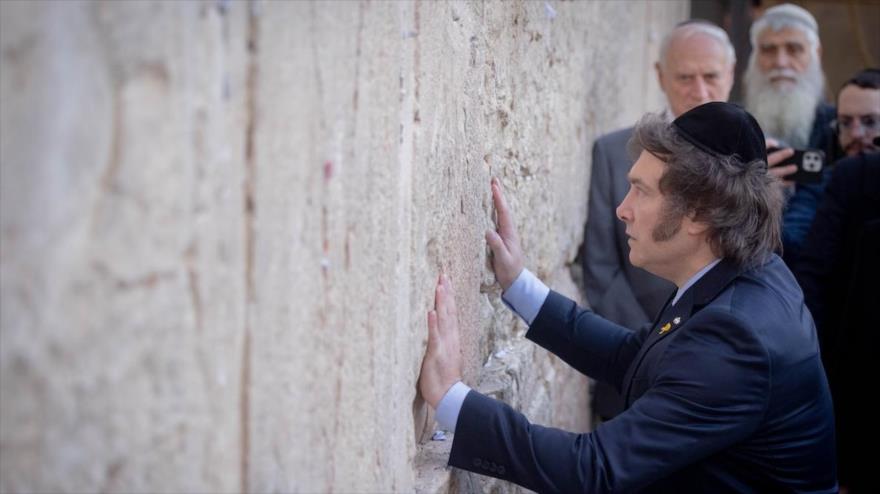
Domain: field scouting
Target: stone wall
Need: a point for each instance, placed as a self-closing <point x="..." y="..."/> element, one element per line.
<point x="222" y="223"/>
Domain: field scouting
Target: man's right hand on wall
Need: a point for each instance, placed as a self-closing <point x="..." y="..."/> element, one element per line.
<point x="441" y="367"/>
<point x="507" y="257"/>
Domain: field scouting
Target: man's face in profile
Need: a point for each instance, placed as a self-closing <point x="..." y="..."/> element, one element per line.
<point x="858" y="119"/>
<point x="651" y="229"/>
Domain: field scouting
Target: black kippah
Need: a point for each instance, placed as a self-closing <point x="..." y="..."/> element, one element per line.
<point x="723" y="129"/>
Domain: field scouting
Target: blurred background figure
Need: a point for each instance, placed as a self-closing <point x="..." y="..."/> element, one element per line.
<point x="839" y="270"/>
<point x="785" y="86"/>
<point x="784" y="79"/>
<point x="858" y="113"/>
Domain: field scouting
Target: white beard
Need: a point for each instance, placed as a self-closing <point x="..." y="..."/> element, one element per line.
<point x="786" y="113"/>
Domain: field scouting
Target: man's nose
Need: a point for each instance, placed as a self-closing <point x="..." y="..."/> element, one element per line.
<point x="857" y="129"/>
<point x="781" y="60"/>
<point x="701" y="90"/>
<point x="623" y="211"/>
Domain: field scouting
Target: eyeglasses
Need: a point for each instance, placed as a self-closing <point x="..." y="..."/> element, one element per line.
<point x="870" y="122"/>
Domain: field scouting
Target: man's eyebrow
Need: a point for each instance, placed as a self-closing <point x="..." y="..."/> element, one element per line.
<point x="635" y="180"/>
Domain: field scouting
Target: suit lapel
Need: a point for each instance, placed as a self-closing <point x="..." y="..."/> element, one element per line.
<point x="673" y="317"/>
<point x="661" y="316"/>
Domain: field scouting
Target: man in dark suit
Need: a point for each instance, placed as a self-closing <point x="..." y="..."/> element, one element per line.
<point x="839" y="272"/>
<point x="695" y="66"/>
<point x="725" y="392"/>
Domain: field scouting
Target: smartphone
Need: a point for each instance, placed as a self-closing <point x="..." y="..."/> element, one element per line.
<point x="810" y="165"/>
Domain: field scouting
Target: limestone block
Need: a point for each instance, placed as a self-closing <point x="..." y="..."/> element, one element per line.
<point x="122" y="256"/>
<point x="222" y="223"/>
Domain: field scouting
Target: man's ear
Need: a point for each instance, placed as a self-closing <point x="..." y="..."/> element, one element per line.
<point x="659" y="76"/>
<point x="694" y="227"/>
<point x="731" y="74"/>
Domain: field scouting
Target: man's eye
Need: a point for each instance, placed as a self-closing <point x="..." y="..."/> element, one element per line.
<point x="794" y="48"/>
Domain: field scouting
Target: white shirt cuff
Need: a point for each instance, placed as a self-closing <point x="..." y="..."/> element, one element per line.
<point x="526" y="296"/>
<point x="450" y="405"/>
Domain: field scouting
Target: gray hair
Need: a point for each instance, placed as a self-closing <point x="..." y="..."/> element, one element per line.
<point x="690" y="28"/>
<point x="787" y="16"/>
<point x="740" y="202"/>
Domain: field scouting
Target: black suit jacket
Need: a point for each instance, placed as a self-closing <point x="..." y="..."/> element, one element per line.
<point x="839" y="271"/>
<point x="725" y="393"/>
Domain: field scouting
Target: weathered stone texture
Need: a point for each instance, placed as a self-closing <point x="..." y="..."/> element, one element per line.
<point x="222" y="223"/>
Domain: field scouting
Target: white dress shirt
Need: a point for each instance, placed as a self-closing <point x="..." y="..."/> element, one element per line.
<point x="525" y="296"/>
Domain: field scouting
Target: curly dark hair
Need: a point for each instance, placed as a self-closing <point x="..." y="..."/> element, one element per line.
<point x="740" y="202"/>
<point x="866" y="79"/>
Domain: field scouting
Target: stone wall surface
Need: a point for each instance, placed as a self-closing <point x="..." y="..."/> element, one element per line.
<point x="222" y="223"/>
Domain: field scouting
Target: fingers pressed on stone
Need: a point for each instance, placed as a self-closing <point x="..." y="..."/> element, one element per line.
<point x="495" y="243"/>
<point x="442" y="302"/>
<point x="450" y="301"/>
<point x="432" y="330"/>
<point x="505" y="224"/>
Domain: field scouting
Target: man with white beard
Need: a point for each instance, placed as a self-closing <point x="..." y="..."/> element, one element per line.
<point x="784" y="86"/>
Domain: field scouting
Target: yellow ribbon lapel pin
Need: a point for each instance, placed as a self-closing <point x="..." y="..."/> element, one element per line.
<point x="666" y="327"/>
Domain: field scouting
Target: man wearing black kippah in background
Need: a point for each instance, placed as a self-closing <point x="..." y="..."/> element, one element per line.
<point x="839" y="271"/>
<point x="724" y="392"/>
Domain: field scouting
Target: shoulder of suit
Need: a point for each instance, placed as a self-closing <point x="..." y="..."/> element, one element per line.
<point x="763" y="286"/>
<point x="616" y="138"/>
<point x="825" y="112"/>
<point x="856" y="176"/>
<point x="853" y="165"/>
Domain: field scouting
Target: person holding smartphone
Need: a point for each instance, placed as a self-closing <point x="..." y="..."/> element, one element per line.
<point x="785" y="85"/>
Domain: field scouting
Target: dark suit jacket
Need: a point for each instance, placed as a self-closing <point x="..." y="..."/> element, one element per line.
<point x="839" y="271"/>
<point x="731" y="397"/>
<point x="615" y="289"/>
